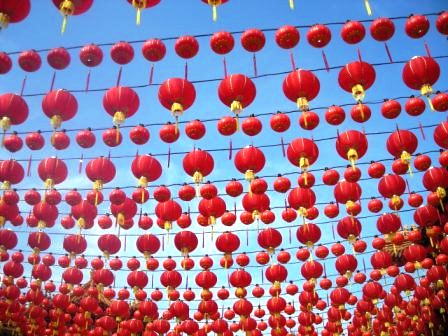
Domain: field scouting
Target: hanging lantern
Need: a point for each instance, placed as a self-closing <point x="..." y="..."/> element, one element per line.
<point x="85" y="214"/>
<point x="416" y="26"/>
<point x="146" y="168"/>
<point x="52" y="171"/>
<point x="29" y="60"/>
<point x="301" y="86"/>
<point x="215" y="4"/>
<point x="124" y="212"/>
<point x="148" y="244"/>
<point x="302" y="153"/>
<point x="308" y="234"/>
<point x="71" y="7"/>
<point x="392" y="186"/>
<point x="301" y="199"/>
<point x="351" y="145"/>
<point x="319" y="36"/>
<point x="5" y="63"/>
<point x="186" y="242"/>
<point x="177" y="95"/>
<point x="212" y="208"/>
<point x="435" y="179"/>
<point x="11" y="172"/>
<point x="227" y="243"/>
<point x="255" y="203"/>
<point x="382" y="30"/>
<point x="120" y="102"/>
<point x="13" y="110"/>
<point x="353" y="32"/>
<point x="269" y="239"/>
<point x="142" y="4"/>
<point x="100" y="171"/>
<point x="356" y="77"/>
<point x="13" y="12"/>
<point x="198" y="164"/>
<point x="249" y="161"/>
<point x="237" y="92"/>
<point x="402" y="144"/>
<point x="421" y="73"/>
<point x="59" y="105"/>
<point x="253" y="40"/>
<point x="347" y="193"/>
<point x="442" y="23"/>
<point x="153" y="50"/>
<point x="168" y="211"/>
<point x="222" y="42"/>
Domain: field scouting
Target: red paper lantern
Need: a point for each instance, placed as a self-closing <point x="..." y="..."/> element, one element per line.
<point x="222" y="42"/>
<point x="416" y="26"/>
<point x="198" y="164"/>
<point x="52" y="171"/>
<point x="5" y="63"/>
<point x="442" y="23"/>
<point x="237" y="92"/>
<point x="390" y="109"/>
<point x="59" y="105"/>
<point x="195" y="129"/>
<point x="177" y="95"/>
<point x="212" y="208"/>
<point x="13" y="110"/>
<point x="420" y="73"/>
<point x="301" y="86"/>
<point x="253" y="40"/>
<point x="287" y="37"/>
<point x="148" y="244"/>
<point x="121" y="102"/>
<point x="100" y="170"/>
<point x="356" y="77"/>
<point x="402" y="144"/>
<point x="302" y="153"/>
<point x="186" y="242"/>
<point x="122" y="53"/>
<point x="249" y="161"/>
<point x="351" y="145"/>
<point x="186" y="47"/>
<point x="227" y="243"/>
<point x="13" y="12"/>
<point x="301" y="199"/>
<point x="71" y="7"/>
<point x="353" y="32"/>
<point x="382" y="29"/>
<point x="168" y="211"/>
<point x="308" y="234"/>
<point x="146" y="168"/>
<point x="29" y="61"/>
<point x="392" y="186"/>
<point x="318" y="35"/>
<point x="440" y="135"/>
<point x="58" y="58"/>
<point x="91" y="55"/>
<point x="154" y="50"/>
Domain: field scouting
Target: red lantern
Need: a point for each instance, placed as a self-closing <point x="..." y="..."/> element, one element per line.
<point x="198" y="164"/>
<point x="319" y="36"/>
<point x="122" y="53"/>
<point x="58" y="58"/>
<point x="52" y="171"/>
<point x="356" y="77"/>
<point x="146" y="168"/>
<point x="13" y="110"/>
<point x="148" y="244"/>
<point x="301" y="86"/>
<point x="71" y="7"/>
<point x="253" y="40"/>
<point x="100" y="170"/>
<point x="390" y="109"/>
<point x="440" y="135"/>
<point x="227" y="243"/>
<point x="85" y="138"/>
<point x="442" y="23"/>
<point x="195" y="129"/>
<point x="392" y="186"/>
<point x="29" y="61"/>
<point x="168" y="211"/>
<point x="237" y="91"/>
<point x="349" y="228"/>
<point x="301" y="199"/>
<point x="85" y="214"/>
<point x="287" y="37"/>
<point x="212" y="208"/>
<point x="249" y="161"/>
<point x="13" y="12"/>
<point x="91" y="55"/>
<point x="186" y="242"/>
<point x="120" y="102"/>
<point x="59" y="106"/>
<point x="420" y="73"/>
<point x="402" y="144"/>
<point x="308" y="234"/>
<point x="222" y="42"/>
<point x="186" y="47"/>
<point x="302" y="153"/>
<point x="177" y="95"/>
<point x="382" y="29"/>
<point x="416" y="26"/>
<point x="335" y="115"/>
<point x="269" y="239"/>
<point x="5" y="63"/>
<point x="351" y="145"/>
<point x="353" y="32"/>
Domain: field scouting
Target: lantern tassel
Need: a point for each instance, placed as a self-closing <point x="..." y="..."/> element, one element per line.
<point x="186" y="70"/>
<point x="368" y="9"/>
<point x="215" y="13"/>
<point x="426" y="90"/>
<point x="254" y="60"/>
<point x="291" y="4"/>
<point x="169" y="156"/>
<point x="283" y="146"/>
<point x="327" y="66"/>
<point x="428" y="52"/>
<point x="53" y="79"/>
<point x="389" y="55"/>
<point x="22" y="90"/>
<point x="87" y="81"/>
<point x="224" y="62"/>
<point x="421" y="130"/>
<point x="151" y="74"/>
<point x="230" y="149"/>
<point x="80" y="164"/>
<point x="119" y="76"/>
<point x="138" y="16"/>
<point x="293" y="62"/>
<point x="28" y="169"/>
<point x="64" y="24"/>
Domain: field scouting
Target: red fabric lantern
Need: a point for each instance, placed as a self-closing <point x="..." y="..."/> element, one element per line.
<point x="347" y="193"/>
<point x="416" y="26"/>
<point x="148" y="244"/>
<point x="227" y="243"/>
<point x="351" y="145"/>
<point x="237" y="92"/>
<point x="146" y="168"/>
<point x="198" y="164"/>
<point x="177" y="95"/>
<point x="222" y="42"/>
<point x="29" y="61"/>
<point x="349" y="228"/>
<point x="168" y="212"/>
<point x="122" y="53"/>
<point x="186" y="242"/>
<point x="249" y="161"/>
<point x="392" y="186"/>
<point x="59" y="106"/>
<point x="269" y="239"/>
<point x="71" y="7"/>
<point x="100" y="170"/>
<point x="5" y="63"/>
<point x="186" y="47"/>
<point x="13" y="12"/>
<point x="302" y="153"/>
<point x="308" y="234"/>
<point x="13" y="110"/>
<point x="402" y="144"/>
<point x="91" y="55"/>
<point x="287" y="37"/>
<point x="121" y="102"/>
<point x="421" y="73"/>
<point x="11" y="172"/>
<point x="154" y="50"/>
<point x="212" y="208"/>
<point x="442" y="23"/>
<point x="253" y="40"/>
<point x="356" y="77"/>
<point x="301" y="199"/>
<point x="382" y="29"/>
<point x="301" y="86"/>
<point x="52" y="171"/>
<point x="318" y="35"/>
<point x="58" y="58"/>
<point x="353" y="32"/>
<point x="440" y="134"/>
<point x="85" y="214"/>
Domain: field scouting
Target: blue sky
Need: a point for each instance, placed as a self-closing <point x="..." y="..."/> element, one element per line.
<point x="116" y="22"/>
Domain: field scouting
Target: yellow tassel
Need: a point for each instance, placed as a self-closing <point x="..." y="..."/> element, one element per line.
<point x="426" y="91"/>
<point x="406" y="158"/>
<point x="302" y="104"/>
<point x="56" y="121"/>
<point x="4" y="20"/>
<point x="143" y="182"/>
<point x="120" y="219"/>
<point x="167" y="225"/>
<point x="395" y="200"/>
<point x="6" y="185"/>
<point x="177" y="109"/>
<point x="249" y="175"/>
<point x="5" y="123"/>
<point x="67" y="7"/>
<point x="48" y="183"/>
<point x="197" y="177"/>
<point x="304" y="163"/>
<point x="98" y="185"/>
<point x="358" y="92"/>
<point x="352" y="155"/>
<point x="119" y="118"/>
<point x="369" y="10"/>
<point x="215" y="13"/>
<point x="237" y="118"/>
<point x="291" y="4"/>
<point x="137" y="20"/>
<point x="236" y="107"/>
